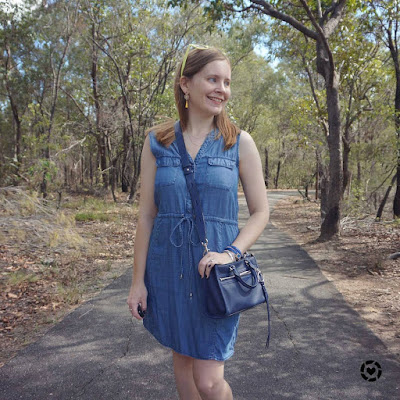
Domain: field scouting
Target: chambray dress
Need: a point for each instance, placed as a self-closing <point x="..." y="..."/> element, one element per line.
<point x="176" y="314"/>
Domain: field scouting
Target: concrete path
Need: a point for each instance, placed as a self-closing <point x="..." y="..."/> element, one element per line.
<point x="317" y="348"/>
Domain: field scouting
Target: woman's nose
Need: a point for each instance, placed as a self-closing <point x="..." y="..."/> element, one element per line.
<point x="221" y="87"/>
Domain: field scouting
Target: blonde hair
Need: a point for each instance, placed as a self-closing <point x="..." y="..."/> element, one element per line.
<point x="196" y="60"/>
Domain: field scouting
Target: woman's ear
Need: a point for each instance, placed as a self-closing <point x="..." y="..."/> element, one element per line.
<point x="183" y="83"/>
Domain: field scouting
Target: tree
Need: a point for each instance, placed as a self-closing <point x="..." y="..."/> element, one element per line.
<point x="386" y="18"/>
<point x="16" y="41"/>
<point x="317" y="22"/>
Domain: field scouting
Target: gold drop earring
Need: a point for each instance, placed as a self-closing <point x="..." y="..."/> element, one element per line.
<point x="187" y="100"/>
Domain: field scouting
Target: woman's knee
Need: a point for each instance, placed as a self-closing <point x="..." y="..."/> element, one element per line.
<point x="208" y="386"/>
<point x="209" y="378"/>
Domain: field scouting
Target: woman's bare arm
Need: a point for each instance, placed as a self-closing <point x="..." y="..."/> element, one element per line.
<point x="251" y="176"/>
<point x="147" y="213"/>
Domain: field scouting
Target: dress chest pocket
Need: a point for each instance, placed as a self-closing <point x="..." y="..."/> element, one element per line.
<point x="167" y="170"/>
<point x="221" y="173"/>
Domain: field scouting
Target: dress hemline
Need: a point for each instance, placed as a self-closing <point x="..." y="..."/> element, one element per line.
<point x="186" y="354"/>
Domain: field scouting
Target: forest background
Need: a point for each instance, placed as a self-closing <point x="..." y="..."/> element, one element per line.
<point x="316" y="83"/>
<point x="82" y="81"/>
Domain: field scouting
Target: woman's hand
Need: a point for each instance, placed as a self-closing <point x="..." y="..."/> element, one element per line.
<point x="137" y="295"/>
<point x="210" y="259"/>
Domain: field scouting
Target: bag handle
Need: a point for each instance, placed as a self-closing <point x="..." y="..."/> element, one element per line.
<point x="239" y="278"/>
<point x="188" y="170"/>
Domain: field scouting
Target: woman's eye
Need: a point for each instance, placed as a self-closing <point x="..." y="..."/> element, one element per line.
<point x="212" y="80"/>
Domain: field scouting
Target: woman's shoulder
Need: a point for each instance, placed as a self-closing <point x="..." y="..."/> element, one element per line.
<point x="247" y="146"/>
<point x="245" y="136"/>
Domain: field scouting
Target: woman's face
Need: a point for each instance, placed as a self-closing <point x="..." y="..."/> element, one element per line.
<point x="210" y="89"/>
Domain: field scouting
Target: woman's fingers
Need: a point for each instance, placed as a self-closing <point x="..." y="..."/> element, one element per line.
<point x="210" y="260"/>
<point x="134" y="300"/>
<point x="205" y="264"/>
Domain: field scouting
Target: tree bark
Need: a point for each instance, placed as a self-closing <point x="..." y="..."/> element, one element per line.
<point x="278" y="170"/>
<point x="396" y="201"/>
<point x="14" y="108"/>
<point x="346" y="162"/>
<point x="134" y="185"/>
<point x="330" y="225"/>
<point x="324" y="196"/>
<point x="102" y="153"/>
<point x="318" y="173"/>
<point x="266" y="169"/>
<point x="101" y="145"/>
<point x="124" y="167"/>
<point x="326" y="68"/>
<point x="384" y="200"/>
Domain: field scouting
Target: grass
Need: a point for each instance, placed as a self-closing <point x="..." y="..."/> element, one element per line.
<point x="69" y="294"/>
<point x="99" y="210"/>
<point x="18" y="277"/>
<point x="87" y="216"/>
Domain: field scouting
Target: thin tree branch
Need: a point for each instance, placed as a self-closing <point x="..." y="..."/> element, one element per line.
<point x="268" y="9"/>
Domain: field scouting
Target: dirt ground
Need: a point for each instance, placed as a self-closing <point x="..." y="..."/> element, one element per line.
<point x="357" y="263"/>
<point x="50" y="262"/>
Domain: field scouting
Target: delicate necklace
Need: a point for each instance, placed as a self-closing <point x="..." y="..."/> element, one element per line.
<point x="200" y="139"/>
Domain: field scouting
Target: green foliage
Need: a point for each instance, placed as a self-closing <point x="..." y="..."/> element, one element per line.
<point x="91" y="216"/>
<point x="18" y="277"/>
<point x="43" y="168"/>
<point x="129" y="49"/>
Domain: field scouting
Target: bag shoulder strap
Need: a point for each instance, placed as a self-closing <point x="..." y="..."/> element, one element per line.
<point x="188" y="170"/>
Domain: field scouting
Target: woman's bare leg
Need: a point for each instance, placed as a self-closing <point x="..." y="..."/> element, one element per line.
<point x="209" y="379"/>
<point x="183" y="370"/>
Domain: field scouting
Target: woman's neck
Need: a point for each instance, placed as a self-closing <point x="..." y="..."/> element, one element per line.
<point x="199" y="126"/>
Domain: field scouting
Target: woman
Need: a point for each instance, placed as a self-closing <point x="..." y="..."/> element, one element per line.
<point x="169" y="265"/>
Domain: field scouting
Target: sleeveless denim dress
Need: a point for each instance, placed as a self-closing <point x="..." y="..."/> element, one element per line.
<point x="176" y="314"/>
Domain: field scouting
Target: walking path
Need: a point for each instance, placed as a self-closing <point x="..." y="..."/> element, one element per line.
<point x="317" y="348"/>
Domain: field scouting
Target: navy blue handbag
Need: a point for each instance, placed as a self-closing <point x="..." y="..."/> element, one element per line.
<point x="234" y="287"/>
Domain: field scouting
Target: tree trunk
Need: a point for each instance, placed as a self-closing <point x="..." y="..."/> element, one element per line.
<point x="383" y="202"/>
<point x="91" y="169"/>
<point x="330" y="225"/>
<point x="346" y="154"/>
<point x="396" y="201"/>
<point x="326" y="68"/>
<point x="278" y="170"/>
<point x="318" y="173"/>
<point x="43" y="184"/>
<point x="124" y="175"/>
<point x="55" y="89"/>
<point x="65" y="175"/>
<point x="324" y="196"/>
<point x="135" y="179"/>
<point x="101" y="147"/>
<point x="134" y="185"/>
<point x="14" y="109"/>
<point x="113" y="175"/>
<point x="18" y="136"/>
<point x="266" y="169"/>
